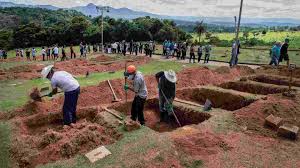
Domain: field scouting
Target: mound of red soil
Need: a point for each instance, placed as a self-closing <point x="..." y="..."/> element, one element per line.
<point x="22" y="72"/>
<point x="80" y="67"/>
<point x="281" y="71"/>
<point x="253" y="116"/>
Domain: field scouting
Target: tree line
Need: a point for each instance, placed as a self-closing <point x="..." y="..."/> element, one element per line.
<point x="27" y="27"/>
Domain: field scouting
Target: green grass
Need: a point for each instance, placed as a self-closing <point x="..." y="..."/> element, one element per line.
<point x="4" y="144"/>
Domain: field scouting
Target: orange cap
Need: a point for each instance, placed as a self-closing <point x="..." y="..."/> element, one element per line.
<point x="131" y="69"/>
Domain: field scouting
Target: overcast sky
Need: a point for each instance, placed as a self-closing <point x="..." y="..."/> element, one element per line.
<point x="252" y="8"/>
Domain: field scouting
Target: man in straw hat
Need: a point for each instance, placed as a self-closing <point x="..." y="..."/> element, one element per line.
<point x="167" y="88"/>
<point x="140" y="90"/>
<point x="69" y="85"/>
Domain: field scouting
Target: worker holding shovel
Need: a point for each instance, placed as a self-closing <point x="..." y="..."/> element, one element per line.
<point x="69" y="85"/>
<point x="140" y="90"/>
<point x="167" y="88"/>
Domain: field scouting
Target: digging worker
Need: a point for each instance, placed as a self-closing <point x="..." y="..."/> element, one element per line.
<point x="167" y="90"/>
<point x="69" y="85"/>
<point x="140" y="90"/>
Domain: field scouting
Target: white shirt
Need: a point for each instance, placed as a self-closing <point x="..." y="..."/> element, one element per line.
<point x="55" y="50"/>
<point x="64" y="81"/>
<point x="44" y="51"/>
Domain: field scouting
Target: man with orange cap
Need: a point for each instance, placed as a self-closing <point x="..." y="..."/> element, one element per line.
<point x="140" y="90"/>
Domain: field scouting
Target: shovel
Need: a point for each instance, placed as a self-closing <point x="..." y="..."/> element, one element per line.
<point x="113" y="92"/>
<point x="172" y="108"/>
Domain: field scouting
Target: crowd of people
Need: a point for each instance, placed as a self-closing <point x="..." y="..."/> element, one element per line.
<point x="134" y="48"/>
<point x="179" y="50"/>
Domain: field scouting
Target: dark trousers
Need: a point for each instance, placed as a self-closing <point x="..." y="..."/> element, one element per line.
<point x="73" y="54"/>
<point x="206" y="59"/>
<point x="192" y="56"/>
<point x="69" y="108"/>
<point x="43" y="57"/>
<point x="183" y="55"/>
<point x="199" y="57"/>
<point x="137" y="109"/>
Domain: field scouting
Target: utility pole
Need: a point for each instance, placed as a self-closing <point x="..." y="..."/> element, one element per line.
<point x="238" y="31"/>
<point x="103" y="8"/>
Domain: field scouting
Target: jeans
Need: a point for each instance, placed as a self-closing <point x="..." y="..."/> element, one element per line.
<point x="137" y="109"/>
<point x="274" y="60"/>
<point x="70" y="105"/>
<point x="206" y="59"/>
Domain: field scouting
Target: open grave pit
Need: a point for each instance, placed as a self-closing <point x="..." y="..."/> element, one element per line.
<point x="276" y="80"/>
<point x="254" y="87"/>
<point x="185" y="115"/>
<point x="42" y="138"/>
<point x="220" y="98"/>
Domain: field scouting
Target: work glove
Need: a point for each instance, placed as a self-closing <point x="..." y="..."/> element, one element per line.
<point x="50" y="94"/>
<point x="169" y="107"/>
<point x="126" y="87"/>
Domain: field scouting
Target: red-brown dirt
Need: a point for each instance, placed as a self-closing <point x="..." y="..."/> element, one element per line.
<point x="41" y="139"/>
<point x="22" y="72"/>
<point x="253" y="116"/>
<point x="74" y="66"/>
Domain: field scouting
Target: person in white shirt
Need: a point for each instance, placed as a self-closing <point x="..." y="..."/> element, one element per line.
<point x="43" y="53"/>
<point x="56" y="51"/>
<point x="71" y="88"/>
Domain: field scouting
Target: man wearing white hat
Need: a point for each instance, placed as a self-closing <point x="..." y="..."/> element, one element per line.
<point x="69" y="85"/>
<point x="167" y="90"/>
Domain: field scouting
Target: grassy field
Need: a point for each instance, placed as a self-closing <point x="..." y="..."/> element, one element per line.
<point x="246" y="56"/>
<point x="270" y="37"/>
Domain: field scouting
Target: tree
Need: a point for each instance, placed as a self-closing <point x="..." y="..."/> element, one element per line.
<point x="200" y="29"/>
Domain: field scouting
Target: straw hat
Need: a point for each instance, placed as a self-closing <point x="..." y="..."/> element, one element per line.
<point x="171" y="76"/>
<point x="46" y="71"/>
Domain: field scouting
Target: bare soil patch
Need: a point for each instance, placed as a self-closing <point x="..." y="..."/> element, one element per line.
<point x="277" y="80"/>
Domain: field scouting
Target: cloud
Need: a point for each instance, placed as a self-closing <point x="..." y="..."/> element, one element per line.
<point x="252" y="8"/>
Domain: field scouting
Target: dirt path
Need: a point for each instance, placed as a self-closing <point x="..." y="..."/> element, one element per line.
<point x="211" y="63"/>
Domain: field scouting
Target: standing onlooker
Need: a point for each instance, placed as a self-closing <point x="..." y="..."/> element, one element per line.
<point x="43" y="53"/>
<point x="192" y="53"/>
<point x="183" y="49"/>
<point x="81" y="49"/>
<point x="136" y="48"/>
<point x="1" y="54"/>
<point x="63" y="52"/>
<point x="4" y="54"/>
<point x="235" y="53"/>
<point x="207" y="53"/>
<point x="33" y="53"/>
<point x="48" y="52"/>
<point x="284" y="52"/>
<point x="151" y="47"/>
<point x="275" y="54"/>
<point x="123" y="48"/>
<point x="89" y="48"/>
<point x="56" y="52"/>
<point x="17" y="52"/>
<point x="72" y="52"/>
<point x="22" y="53"/>
<point x="27" y="54"/>
<point x="178" y="51"/>
<point x="200" y="52"/>
<point x="141" y="48"/>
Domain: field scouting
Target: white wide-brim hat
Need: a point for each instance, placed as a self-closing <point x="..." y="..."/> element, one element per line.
<point x="46" y="71"/>
<point x="171" y="76"/>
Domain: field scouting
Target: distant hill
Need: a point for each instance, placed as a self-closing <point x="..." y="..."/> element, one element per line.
<point x="125" y="13"/>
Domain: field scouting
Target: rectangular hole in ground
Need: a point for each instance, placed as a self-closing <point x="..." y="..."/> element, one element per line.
<point x="185" y="116"/>
<point x="220" y="98"/>
<point x="254" y="87"/>
<point x="277" y="80"/>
